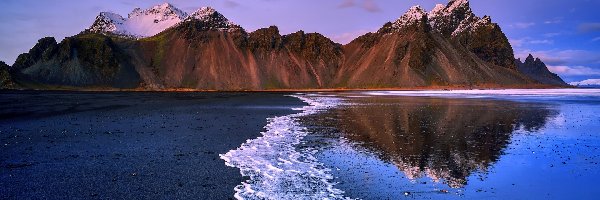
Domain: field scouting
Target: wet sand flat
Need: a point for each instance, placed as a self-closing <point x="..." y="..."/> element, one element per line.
<point x="89" y="145"/>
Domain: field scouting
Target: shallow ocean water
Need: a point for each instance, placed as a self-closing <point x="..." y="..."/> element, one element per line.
<point x="508" y="144"/>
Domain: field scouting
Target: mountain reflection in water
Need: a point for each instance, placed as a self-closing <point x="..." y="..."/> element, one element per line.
<point x="444" y="139"/>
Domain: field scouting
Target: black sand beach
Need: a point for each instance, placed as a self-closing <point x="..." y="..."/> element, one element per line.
<point x="75" y="145"/>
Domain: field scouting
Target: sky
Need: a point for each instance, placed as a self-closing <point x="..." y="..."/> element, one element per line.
<point x="564" y="34"/>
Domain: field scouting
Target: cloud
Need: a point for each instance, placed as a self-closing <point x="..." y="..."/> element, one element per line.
<point x="368" y="5"/>
<point x="587" y="82"/>
<point x="347" y="4"/>
<point x="573" y="70"/>
<point x="596" y="39"/>
<point x="541" y="42"/>
<point x="516" y="42"/>
<point x="522" y="25"/>
<point x="589" y="27"/>
<point x="554" y="21"/>
<point x="549" y="35"/>
<point x="230" y="4"/>
<point x="527" y="40"/>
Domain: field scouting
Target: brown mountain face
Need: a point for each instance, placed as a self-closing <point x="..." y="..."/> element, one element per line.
<point x="186" y="57"/>
<point x="449" y="46"/>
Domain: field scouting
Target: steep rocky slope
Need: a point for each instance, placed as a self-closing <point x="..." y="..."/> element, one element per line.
<point x="537" y="70"/>
<point x="165" y="48"/>
<point x="446" y="47"/>
<point x="215" y="55"/>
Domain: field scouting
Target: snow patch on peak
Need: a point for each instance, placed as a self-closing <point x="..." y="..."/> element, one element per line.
<point x="414" y="15"/>
<point x="146" y="23"/>
<point x="107" y="22"/>
<point x="213" y="19"/>
<point x="437" y="9"/>
<point x="472" y="25"/>
<point x="203" y="13"/>
<point x="455" y="18"/>
<point x="454" y="4"/>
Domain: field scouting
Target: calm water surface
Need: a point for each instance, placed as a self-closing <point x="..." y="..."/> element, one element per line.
<point x="508" y="145"/>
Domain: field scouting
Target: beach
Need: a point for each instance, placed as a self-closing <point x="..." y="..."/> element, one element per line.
<point x="127" y="145"/>
<point x="456" y="144"/>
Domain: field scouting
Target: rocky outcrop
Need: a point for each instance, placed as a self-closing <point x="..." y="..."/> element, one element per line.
<point x="90" y="60"/>
<point x="535" y="69"/>
<point x="5" y="78"/>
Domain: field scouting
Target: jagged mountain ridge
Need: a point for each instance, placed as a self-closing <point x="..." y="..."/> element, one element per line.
<point x="537" y="70"/>
<point x="146" y="23"/>
<point x="207" y="51"/>
<point x="445" y="47"/>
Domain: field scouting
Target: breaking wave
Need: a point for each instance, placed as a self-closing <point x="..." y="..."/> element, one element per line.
<point x="276" y="168"/>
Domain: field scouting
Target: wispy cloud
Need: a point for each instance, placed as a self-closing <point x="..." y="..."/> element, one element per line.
<point x="347" y="4"/>
<point x="573" y="70"/>
<point x="516" y="42"/>
<point x="230" y="4"/>
<point x="522" y="25"/>
<point x="549" y="35"/>
<point x="541" y="42"/>
<point x="554" y="21"/>
<point x="527" y="40"/>
<point x="589" y="27"/>
<point x="596" y="39"/>
<point x="368" y="5"/>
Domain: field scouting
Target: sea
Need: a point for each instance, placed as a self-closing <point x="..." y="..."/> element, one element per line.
<point x="457" y="144"/>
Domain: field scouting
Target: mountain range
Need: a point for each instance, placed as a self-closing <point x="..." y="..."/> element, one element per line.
<point x="164" y="48"/>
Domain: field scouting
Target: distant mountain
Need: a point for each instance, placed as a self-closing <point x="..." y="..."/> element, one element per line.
<point x="589" y="83"/>
<point x="537" y="70"/>
<point x="165" y="48"/>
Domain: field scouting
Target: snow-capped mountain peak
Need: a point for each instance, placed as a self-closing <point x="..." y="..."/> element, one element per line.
<point x="213" y="19"/>
<point x="437" y="9"/>
<point x="456" y="4"/>
<point x="162" y="12"/>
<point x="203" y="13"/>
<point x="454" y="18"/>
<point x="146" y="23"/>
<point x="414" y="15"/>
<point x="107" y="22"/>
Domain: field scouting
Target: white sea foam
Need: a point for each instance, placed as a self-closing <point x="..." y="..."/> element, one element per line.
<point x="493" y="93"/>
<point x="279" y="170"/>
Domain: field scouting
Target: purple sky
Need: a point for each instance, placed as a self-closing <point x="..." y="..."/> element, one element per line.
<point x="565" y="34"/>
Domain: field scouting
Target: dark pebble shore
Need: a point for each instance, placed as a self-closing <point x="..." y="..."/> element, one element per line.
<point x="118" y="145"/>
